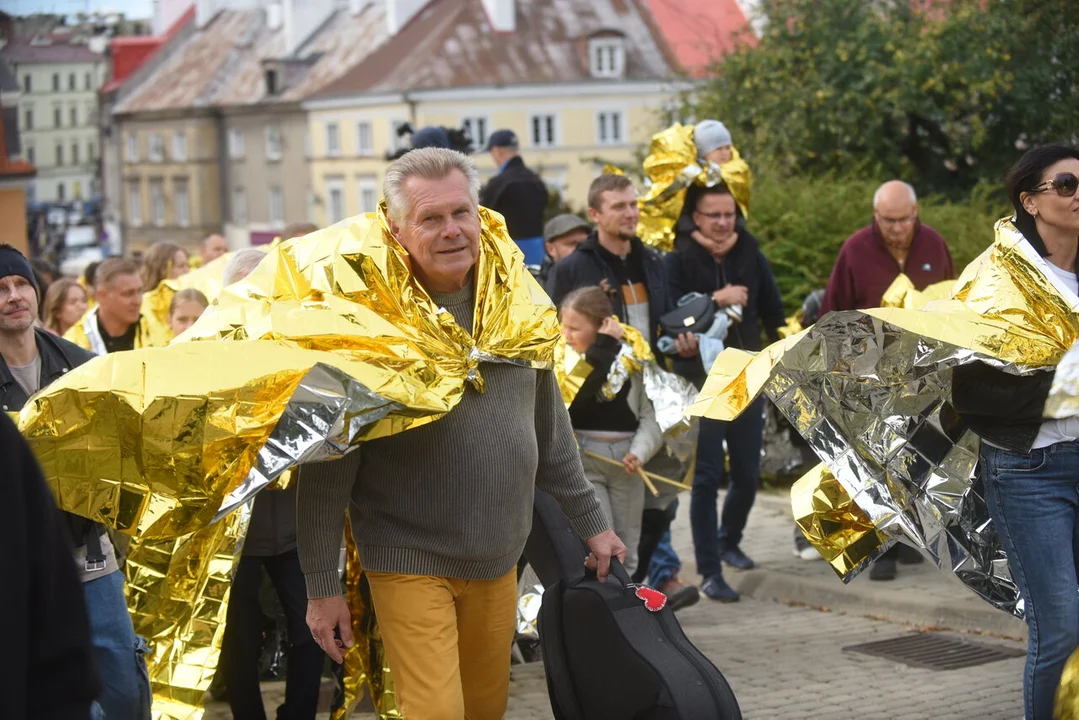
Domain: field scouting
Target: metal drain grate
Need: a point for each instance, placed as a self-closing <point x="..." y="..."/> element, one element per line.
<point x="936" y="652"/>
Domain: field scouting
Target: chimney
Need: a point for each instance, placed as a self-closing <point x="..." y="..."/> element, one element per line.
<point x="355" y="6"/>
<point x="204" y="12"/>
<point x="301" y="18"/>
<point x="399" y="12"/>
<point x="273" y="15"/>
<point x="502" y="14"/>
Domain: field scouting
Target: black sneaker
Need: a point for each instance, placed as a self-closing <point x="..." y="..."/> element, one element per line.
<point x="717" y="589"/>
<point x="906" y="555"/>
<point x="738" y="559"/>
<point x="803" y="549"/>
<point x="883" y="569"/>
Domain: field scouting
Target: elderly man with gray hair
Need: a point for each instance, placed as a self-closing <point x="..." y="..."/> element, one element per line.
<point x="869" y="262"/>
<point x="440" y="513"/>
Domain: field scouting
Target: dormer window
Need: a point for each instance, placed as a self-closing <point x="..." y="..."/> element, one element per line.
<point x="607" y="57"/>
<point x="272" y="87"/>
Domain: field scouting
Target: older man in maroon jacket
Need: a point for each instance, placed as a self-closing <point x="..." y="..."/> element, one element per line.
<point x="895" y="243"/>
<point x="868" y="263"/>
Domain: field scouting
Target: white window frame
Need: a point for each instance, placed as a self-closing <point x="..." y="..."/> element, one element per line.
<point x="134" y="202"/>
<point x="333" y="140"/>
<point x="607" y="57"/>
<point x="470" y="122"/>
<point x="239" y="206"/>
<point x="606" y="125"/>
<point x="155" y="148"/>
<point x="157" y="201"/>
<point x="549" y="127"/>
<point x="365" y="138"/>
<point x="179" y="146"/>
<point x="277" y="206"/>
<point x="131" y="148"/>
<point x="367" y="192"/>
<point x="335" y="194"/>
<point x="182" y="192"/>
<point x="273" y="143"/>
<point x="237" y="150"/>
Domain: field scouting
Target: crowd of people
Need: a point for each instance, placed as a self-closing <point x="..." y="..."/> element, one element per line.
<point x="441" y="515"/>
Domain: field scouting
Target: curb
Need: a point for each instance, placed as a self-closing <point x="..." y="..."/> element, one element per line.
<point x="889" y="601"/>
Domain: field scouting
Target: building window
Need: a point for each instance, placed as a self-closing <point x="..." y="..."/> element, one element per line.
<point x="476" y="127"/>
<point x="543" y="131"/>
<point x="183" y="202"/>
<point x="57" y="117"/>
<point x="71" y="84"/>
<point x="28" y="119"/>
<point x="91" y="153"/>
<point x="239" y="206"/>
<point x="131" y="150"/>
<point x="157" y="201"/>
<point x="74" y="153"/>
<point x="89" y="82"/>
<point x="73" y="115"/>
<point x="368" y="186"/>
<point x="335" y="200"/>
<point x="397" y="140"/>
<point x="179" y="146"/>
<point x="155" y="148"/>
<point x="609" y="127"/>
<point x="607" y="57"/>
<point x="30" y="154"/>
<point x="273" y="143"/>
<point x="307" y="143"/>
<point x="90" y="112"/>
<point x="56" y="82"/>
<point x="277" y="206"/>
<point x="333" y="140"/>
<point x="59" y="154"/>
<point x="365" y="144"/>
<point x="236" y="143"/>
<point x="27" y="85"/>
<point x="134" y="203"/>
<point x="60" y="191"/>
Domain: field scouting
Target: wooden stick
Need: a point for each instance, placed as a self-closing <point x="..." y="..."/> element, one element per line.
<point x="653" y="476"/>
<point x="648" y="482"/>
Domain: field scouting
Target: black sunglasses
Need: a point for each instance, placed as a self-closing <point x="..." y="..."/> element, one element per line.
<point x="1065" y="185"/>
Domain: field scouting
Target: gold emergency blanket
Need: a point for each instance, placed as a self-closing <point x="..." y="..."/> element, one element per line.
<point x="672" y="166"/>
<point x="868" y="389"/>
<point x="669" y="394"/>
<point x="330" y="341"/>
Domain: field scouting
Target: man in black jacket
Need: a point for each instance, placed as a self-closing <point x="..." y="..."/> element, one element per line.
<point x="614" y="258"/>
<point x="30" y="359"/>
<point x="518" y="194"/>
<point x="48" y="662"/>
<point x="713" y="256"/>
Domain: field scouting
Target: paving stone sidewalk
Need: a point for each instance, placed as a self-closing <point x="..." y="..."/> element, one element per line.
<point x="781" y="647"/>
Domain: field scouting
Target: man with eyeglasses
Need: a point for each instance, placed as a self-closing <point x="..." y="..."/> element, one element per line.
<point x="869" y="261"/>
<point x="896" y="242"/>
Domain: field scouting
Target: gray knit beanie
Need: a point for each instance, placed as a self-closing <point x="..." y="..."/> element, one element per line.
<point x="709" y="135"/>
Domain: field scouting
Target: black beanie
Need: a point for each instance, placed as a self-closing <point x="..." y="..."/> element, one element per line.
<point x="13" y="262"/>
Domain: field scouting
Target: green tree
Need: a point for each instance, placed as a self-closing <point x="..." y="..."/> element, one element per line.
<point x="942" y="93"/>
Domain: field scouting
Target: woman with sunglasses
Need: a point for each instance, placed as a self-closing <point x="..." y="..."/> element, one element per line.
<point x="1030" y="466"/>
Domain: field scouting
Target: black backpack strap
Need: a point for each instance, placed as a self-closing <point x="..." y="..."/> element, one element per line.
<point x="560" y="687"/>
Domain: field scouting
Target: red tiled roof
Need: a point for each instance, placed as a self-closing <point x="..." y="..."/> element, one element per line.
<point x="701" y="32"/>
<point x="129" y="53"/>
<point x="450" y="44"/>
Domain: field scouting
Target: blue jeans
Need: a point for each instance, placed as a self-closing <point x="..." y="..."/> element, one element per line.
<point x="665" y="562"/>
<point x="744" y="437"/>
<point x="1034" y="502"/>
<point x="118" y="653"/>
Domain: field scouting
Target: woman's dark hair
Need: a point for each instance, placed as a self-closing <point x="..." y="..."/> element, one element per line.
<point x="591" y="302"/>
<point x="1024" y="176"/>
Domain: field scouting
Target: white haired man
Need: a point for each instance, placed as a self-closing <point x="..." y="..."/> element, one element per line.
<point x="440" y="513"/>
<point x="869" y="261"/>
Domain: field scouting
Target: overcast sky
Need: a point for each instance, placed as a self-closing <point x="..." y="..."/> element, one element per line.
<point x="131" y="8"/>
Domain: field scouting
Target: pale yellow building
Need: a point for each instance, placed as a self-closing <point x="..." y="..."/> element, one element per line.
<point x="581" y="82"/>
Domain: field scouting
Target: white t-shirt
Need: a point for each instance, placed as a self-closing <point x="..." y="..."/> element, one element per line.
<point x="1065" y="429"/>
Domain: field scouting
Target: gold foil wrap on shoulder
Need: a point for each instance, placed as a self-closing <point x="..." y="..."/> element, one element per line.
<point x="672" y="167"/>
<point x="869" y="391"/>
<point x="328" y="342"/>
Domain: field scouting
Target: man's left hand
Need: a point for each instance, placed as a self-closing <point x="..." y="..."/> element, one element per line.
<point x="686" y="345"/>
<point x="604" y="546"/>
